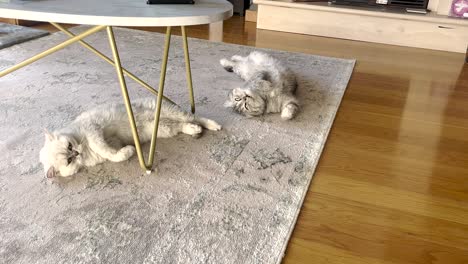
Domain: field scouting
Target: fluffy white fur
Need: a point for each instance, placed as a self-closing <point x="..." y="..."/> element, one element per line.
<point x="269" y="86"/>
<point x="104" y="134"/>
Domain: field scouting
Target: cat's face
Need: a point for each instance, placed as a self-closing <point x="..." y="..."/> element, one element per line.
<point x="246" y="102"/>
<point x="61" y="155"/>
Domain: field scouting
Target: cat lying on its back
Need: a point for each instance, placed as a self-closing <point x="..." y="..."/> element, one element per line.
<point x="269" y="86"/>
<point x="87" y="140"/>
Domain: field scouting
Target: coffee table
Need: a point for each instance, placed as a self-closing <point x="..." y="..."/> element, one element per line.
<point x="105" y="14"/>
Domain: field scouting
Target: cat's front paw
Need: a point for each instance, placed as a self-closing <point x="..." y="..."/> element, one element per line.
<point x="124" y="153"/>
<point x="227" y="65"/>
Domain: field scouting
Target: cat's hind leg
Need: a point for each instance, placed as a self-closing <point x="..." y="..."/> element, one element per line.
<point x="289" y="111"/>
<point x="170" y="128"/>
<point x="289" y="108"/>
<point x="233" y="63"/>
<point x="208" y="123"/>
<point x="192" y="129"/>
<point x="242" y="68"/>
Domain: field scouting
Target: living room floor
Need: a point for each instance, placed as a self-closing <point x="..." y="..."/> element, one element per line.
<point x="391" y="185"/>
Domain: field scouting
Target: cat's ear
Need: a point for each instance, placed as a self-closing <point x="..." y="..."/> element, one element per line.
<point x="48" y="135"/>
<point x="51" y="172"/>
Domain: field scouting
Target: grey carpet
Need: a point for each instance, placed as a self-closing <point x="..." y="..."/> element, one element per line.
<point x="228" y="197"/>
<point x="12" y="34"/>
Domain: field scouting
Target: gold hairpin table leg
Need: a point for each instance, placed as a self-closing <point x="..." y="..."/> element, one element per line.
<point x="146" y="166"/>
<point x="162" y="79"/>
<point x="187" y="69"/>
<point x="128" y="106"/>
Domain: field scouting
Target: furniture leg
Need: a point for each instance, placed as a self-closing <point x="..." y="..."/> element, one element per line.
<point x="123" y="86"/>
<point x="162" y="79"/>
<point x="131" y="118"/>
<point x="187" y="69"/>
<point x="216" y="31"/>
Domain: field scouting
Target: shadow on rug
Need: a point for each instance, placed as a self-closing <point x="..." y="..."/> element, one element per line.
<point x="12" y="34"/>
<point x="228" y="197"/>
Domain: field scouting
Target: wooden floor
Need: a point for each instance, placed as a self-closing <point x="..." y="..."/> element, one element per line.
<point x="392" y="183"/>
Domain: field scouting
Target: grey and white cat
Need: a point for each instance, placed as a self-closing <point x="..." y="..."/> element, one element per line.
<point x="93" y="136"/>
<point x="269" y="86"/>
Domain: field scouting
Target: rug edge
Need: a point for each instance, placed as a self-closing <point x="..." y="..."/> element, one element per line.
<point x="347" y="76"/>
<point x="306" y="190"/>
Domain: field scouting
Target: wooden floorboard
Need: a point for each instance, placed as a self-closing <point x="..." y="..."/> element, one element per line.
<point x="392" y="183"/>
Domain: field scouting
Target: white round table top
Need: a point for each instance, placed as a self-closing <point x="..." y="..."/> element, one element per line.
<point x="116" y="12"/>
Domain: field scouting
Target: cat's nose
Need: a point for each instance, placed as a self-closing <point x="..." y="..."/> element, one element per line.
<point x="75" y="153"/>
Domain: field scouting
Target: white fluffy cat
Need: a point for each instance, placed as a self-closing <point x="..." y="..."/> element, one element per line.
<point x="269" y="86"/>
<point x="92" y="137"/>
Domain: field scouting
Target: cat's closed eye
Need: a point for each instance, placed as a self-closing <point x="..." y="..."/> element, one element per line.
<point x="237" y="99"/>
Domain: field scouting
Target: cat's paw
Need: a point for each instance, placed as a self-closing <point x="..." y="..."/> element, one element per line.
<point x="289" y="112"/>
<point x="227" y="65"/>
<point x="237" y="58"/>
<point x="192" y="129"/>
<point x="124" y="153"/>
<point x="212" y="125"/>
<point x="224" y="62"/>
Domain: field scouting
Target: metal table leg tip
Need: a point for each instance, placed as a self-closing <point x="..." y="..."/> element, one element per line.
<point x="148" y="172"/>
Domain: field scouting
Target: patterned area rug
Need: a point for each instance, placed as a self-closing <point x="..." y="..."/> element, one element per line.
<point x="12" y="34"/>
<point x="228" y="197"/>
